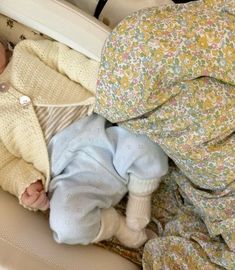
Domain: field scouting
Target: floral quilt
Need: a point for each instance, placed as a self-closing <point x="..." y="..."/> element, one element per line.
<point x="169" y="73"/>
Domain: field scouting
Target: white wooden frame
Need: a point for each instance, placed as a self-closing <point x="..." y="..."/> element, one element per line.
<point x="61" y="21"/>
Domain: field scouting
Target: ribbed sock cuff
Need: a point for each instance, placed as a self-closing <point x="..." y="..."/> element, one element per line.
<point x="142" y="186"/>
<point x="138" y="211"/>
<point x="139" y="205"/>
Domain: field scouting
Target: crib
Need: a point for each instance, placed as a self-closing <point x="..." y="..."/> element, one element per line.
<point x="26" y="241"/>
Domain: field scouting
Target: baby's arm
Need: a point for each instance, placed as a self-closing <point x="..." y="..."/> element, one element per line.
<point x="16" y="175"/>
<point x="58" y="56"/>
<point x="34" y="196"/>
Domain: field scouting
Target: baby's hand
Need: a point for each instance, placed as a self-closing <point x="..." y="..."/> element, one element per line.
<point x="35" y="197"/>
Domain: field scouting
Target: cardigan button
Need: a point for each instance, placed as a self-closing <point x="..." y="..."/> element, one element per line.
<point x="25" y="100"/>
<point x="4" y="87"/>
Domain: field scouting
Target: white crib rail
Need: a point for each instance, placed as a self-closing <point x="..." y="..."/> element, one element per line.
<point x="61" y="21"/>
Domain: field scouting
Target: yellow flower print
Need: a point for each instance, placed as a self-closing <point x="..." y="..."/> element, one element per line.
<point x="125" y="82"/>
<point x="229" y="55"/>
<point x="207" y="104"/>
<point x="193" y="47"/>
<point x="186" y="60"/>
<point x="112" y="79"/>
<point x="131" y="74"/>
<point x="122" y="29"/>
<point x="120" y="58"/>
<point x="190" y="35"/>
<point x="158" y="54"/>
<point x="219" y="99"/>
<point x="146" y="27"/>
<point x="203" y="42"/>
<point x="212" y="39"/>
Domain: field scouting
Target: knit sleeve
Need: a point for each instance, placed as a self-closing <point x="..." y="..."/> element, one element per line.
<point x="71" y="63"/>
<point x="15" y="173"/>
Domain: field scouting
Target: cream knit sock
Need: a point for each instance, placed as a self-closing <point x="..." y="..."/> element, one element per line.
<point x="113" y="224"/>
<point x="138" y="211"/>
<point x="128" y="237"/>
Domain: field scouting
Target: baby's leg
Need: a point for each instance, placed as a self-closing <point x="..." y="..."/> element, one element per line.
<point x="145" y="163"/>
<point x="138" y="212"/>
<point x="75" y="219"/>
<point x="114" y="224"/>
<point x="70" y="221"/>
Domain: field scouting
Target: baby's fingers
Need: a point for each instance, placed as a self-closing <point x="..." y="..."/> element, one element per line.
<point x="29" y="200"/>
<point x="45" y="205"/>
<point x="35" y="187"/>
<point x="41" y="202"/>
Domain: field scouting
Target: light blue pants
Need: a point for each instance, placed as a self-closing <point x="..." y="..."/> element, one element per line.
<point x="91" y="163"/>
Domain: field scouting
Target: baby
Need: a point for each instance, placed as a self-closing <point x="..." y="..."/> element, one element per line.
<point x="50" y="141"/>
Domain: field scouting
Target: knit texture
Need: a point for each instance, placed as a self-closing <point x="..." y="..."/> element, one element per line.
<point x="138" y="211"/>
<point x="49" y="74"/>
<point x="139" y="187"/>
<point x="113" y="224"/>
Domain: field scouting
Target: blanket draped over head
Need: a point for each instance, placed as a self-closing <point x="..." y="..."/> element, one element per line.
<point x="169" y="73"/>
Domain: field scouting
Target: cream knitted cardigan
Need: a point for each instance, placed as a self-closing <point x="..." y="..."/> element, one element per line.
<point x="41" y="73"/>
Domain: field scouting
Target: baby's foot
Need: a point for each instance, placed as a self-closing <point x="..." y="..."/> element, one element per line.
<point x="128" y="237"/>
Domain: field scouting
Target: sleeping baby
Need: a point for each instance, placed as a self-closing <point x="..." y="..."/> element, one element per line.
<point x="52" y="143"/>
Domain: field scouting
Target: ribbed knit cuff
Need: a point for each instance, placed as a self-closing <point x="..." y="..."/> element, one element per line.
<point x="138" y="205"/>
<point x="138" y="211"/>
<point x="142" y="186"/>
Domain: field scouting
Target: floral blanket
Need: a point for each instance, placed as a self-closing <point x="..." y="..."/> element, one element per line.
<point x="183" y="240"/>
<point x="169" y="73"/>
